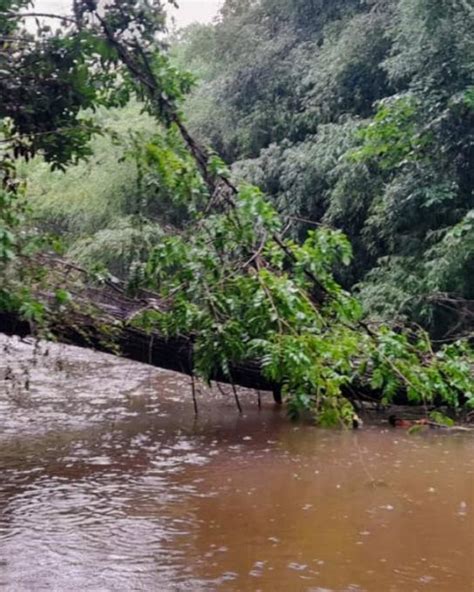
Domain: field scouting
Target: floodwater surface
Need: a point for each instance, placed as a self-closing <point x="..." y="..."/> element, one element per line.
<point x="108" y="482"/>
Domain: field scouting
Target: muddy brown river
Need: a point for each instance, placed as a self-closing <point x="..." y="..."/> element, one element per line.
<point x="108" y="482"/>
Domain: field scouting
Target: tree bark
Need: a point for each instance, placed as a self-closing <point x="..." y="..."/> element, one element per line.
<point x="170" y="354"/>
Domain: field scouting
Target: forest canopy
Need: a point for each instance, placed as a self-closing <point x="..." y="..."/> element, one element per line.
<point x="358" y="115"/>
<point x="309" y="126"/>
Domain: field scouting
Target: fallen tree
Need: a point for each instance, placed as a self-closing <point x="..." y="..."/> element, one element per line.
<point x="72" y="307"/>
<point x="100" y="318"/>
<point x="119" y="338"/>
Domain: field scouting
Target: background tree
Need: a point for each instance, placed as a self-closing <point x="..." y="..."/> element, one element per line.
<point x="358" y="115"/>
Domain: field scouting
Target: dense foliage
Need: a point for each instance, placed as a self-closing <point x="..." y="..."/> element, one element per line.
<point x="48" y="78"/>
<point x="360" y="115"/>
<point x="243" y="297"/>
<point x="219" y="258"/>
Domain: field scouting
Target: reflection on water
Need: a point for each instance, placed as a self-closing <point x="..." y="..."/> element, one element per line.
<point x="109" y="483"/>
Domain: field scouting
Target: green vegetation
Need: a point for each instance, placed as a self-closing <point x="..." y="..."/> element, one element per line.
<point x="352" y="118"/>
<point x="358" y="115"/>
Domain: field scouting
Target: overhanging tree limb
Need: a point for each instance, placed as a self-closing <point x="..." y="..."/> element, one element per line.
<point x="220" y="187"/>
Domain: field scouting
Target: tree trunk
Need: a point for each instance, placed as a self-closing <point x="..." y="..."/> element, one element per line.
<point x="130" y="343"/>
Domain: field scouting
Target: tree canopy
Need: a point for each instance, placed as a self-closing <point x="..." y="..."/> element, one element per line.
<point x="358" y="115"/>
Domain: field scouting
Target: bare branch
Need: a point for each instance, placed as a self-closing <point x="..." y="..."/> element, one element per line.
<point x="21" y="15"/>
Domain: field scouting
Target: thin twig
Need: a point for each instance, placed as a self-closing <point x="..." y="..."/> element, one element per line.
<point x="257" y="253"/>
<point x="20" y="15"/>
<point x="150" y="350"/>
<point x="221" y="390"/>
<point x="193" y="390"/>
<point x="236" y="396"/>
